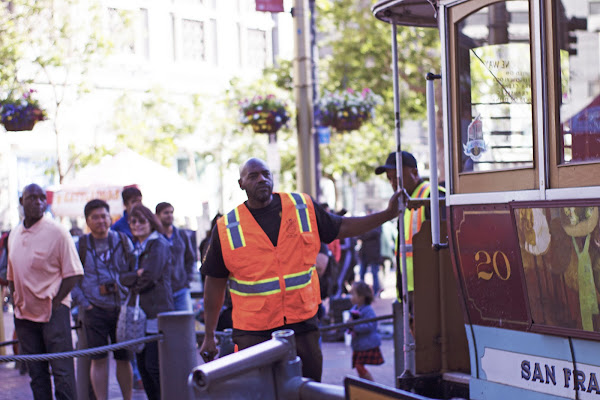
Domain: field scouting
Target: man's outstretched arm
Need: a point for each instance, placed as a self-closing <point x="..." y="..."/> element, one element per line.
<point x="354" y="226"/>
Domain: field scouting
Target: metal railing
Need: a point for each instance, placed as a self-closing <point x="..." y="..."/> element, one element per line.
<point x="268" y="370"/>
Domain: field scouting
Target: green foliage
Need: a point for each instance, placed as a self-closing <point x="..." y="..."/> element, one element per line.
<point x="79" y="160"/>
<point x="152" y="123"/>
<point x="357" y="53"/>
<point x="280" y="75"/>
<point x="15" y="37"/>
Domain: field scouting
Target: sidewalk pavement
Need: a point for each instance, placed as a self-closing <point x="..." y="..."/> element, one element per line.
<point x="337" y="357"/>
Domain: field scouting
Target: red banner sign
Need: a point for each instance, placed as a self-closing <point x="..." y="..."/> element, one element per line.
<point x="269" y="5"/>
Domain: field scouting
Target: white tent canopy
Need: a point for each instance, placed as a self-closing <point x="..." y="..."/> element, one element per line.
<point x="127" y="168"/>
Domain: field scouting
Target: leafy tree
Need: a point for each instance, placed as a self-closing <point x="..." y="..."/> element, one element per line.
<point x="358" y="55"/>
<point x="152" y="123"/>
<point x="14" y="34"/>
<point x="51" y="42"/>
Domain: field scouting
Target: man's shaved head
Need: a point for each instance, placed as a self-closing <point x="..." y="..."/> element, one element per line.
<point x="252" y="162"/>
<point x="34" y="203"/>
<point x="256" y="180"/>
<point x="32" y="187"/>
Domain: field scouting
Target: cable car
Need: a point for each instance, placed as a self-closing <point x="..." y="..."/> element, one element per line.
<point x="520" y="83"/>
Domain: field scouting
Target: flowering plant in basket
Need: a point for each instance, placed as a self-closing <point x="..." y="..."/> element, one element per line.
<point x="265" y="114"/>
<point x="346" y="110"/>
<point x="21" y="114"/>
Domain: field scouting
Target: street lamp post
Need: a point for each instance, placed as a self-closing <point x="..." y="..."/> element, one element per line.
<point x="302" y="86"/>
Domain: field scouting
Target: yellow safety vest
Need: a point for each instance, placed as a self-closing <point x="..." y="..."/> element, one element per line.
<point x="413" y="219"/>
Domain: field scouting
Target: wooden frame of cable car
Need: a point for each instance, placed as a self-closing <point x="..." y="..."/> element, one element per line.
<point x="481" y="200"/>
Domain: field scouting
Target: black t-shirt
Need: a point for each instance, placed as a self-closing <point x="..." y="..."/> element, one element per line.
<point x="269" y="219"/>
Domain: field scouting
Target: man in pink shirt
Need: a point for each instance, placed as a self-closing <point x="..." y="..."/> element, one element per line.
<point x="43" y="267"/>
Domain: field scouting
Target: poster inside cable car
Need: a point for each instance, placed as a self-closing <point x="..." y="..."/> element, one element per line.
<point x="560" y="251"/>
<point x="495" y="98"/>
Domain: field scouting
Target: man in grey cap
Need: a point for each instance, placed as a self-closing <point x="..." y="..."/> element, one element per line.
<point x="418" y="188"/>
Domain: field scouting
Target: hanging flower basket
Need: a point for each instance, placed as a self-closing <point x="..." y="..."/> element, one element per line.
<point x="347" y="124"/>
<point x="21" y="114"/>
<point x="23" y="125"/>
<point x="346" y="110"/>
<point x="265" y="114"/>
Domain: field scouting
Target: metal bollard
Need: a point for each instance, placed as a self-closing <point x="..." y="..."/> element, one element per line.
<point x="288" y="374"/>
<point x="398" y="339"/>
<point x="176" y="353"/>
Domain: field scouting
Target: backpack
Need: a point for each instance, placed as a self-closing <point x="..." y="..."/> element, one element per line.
<point x="82" y="247"/>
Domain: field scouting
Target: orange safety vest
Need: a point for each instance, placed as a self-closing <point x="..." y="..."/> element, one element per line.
<point x="272" y="286"/>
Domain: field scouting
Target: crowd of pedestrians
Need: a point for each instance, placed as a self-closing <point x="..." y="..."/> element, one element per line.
<point x="263" y="258"/>
<point x="142" y="254"/>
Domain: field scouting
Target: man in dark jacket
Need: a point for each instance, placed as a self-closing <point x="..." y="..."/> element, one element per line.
<point x="183" y="258"/>
<point x="104" y="254"/>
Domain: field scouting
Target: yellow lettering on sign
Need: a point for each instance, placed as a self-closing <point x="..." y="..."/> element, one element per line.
<point x="486" y="275"/>
<point x="490" y="265"/>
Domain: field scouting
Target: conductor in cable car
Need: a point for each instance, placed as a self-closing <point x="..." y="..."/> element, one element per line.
<point x="417" y="210"/>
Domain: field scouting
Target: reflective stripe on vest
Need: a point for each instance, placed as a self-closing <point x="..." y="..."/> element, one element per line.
<point x="264" y="287"/>
<point x="301" y="211"/>
<point x="416" y="216"/>
<point x="234" y="230"/>
<point x="299" y="280"/>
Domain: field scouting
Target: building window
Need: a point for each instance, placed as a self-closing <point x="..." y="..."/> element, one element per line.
<point x="213" y="41"/>
<point x="238" y="44"/>
<point x="120" y="26"/>
<point x="257" y="47"/>
<point x="129" y="31"/>
<point x="144" y="29"/>
<point x="173" y="41"/>
<point x="193" y="39"/>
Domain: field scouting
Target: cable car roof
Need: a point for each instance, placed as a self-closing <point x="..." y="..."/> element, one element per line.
<point x="421" y="13"/>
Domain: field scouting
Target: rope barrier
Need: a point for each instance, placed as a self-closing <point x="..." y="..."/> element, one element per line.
<point x="82" y="353"/>
<point x="130" y="343"/>
<point x="354" y="322"/>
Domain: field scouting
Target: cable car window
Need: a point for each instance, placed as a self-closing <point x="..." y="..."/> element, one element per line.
<point x="578" y="43"/>
<point x="495" y="96"/>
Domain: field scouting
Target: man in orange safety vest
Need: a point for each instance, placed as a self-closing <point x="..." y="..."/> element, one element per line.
<point x="265" y="250"/>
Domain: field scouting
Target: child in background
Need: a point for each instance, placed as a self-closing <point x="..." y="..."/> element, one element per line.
<point x="365" y="339"/>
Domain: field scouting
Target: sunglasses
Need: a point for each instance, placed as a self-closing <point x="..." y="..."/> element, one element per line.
<point x="134" y="221"/>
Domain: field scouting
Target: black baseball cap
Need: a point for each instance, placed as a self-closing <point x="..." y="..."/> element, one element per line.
<point x="408" y="160"/>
